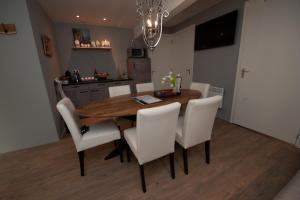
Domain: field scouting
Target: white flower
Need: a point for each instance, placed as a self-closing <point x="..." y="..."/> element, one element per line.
<point x="162" y="82"/>
<point x="170" y="73"/>
<point x="171" y="85"/>
<point x="164" y="78"/>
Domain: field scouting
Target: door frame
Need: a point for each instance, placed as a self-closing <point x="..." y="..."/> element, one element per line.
<point x="239" y="63"/>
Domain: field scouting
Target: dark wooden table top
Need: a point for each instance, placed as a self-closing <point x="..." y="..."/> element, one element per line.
<point x="125" y="105"/>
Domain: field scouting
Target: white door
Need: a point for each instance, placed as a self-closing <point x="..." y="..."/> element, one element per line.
<point x="267" y="94"/>
<point x="183" y="54"/>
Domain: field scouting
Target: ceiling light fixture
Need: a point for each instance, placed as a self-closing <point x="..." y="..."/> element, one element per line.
<point x="104" y="19"/>
<point x="77" y="16"/>
<point x="152" y="13"/>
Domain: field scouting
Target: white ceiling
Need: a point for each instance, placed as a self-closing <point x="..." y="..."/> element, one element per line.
<point x="193" y="9"/>
<point x="119" y="13"/>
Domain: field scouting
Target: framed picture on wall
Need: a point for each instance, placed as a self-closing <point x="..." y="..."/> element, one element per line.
<point x="82" y="35"/>
<point x="47" y="47"/>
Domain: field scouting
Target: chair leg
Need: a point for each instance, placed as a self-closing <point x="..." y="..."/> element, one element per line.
<point x="185" y="160"/>
<point x="81" y="161"/>
<point x="121" y="152"/>
<point x="116" y="143"/>
<point x="172" y="168"/>
<point x="207" y="151"/>
<point x="128" y="153"/>
<point x="143" y="178"/>
<point x="120" y="144"/>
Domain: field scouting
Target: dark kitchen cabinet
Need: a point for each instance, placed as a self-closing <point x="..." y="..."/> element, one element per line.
<point x="82" y="94"/>
<point x="130" y="83"/>
<point x="98" y="92"/>
<point x="83" y="97"/>
<point x="79" y="94"/>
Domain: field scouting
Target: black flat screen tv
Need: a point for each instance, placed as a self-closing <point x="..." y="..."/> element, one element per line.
<point x="216" y="32"/>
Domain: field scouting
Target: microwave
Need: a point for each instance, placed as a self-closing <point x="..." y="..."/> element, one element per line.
<point x="136" y="53"/>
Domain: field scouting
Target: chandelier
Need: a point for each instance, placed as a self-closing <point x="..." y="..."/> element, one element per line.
<point x="152" y="13"/>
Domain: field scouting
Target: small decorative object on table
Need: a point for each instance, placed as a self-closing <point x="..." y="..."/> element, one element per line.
<point x="173" y="80"/>
<point x="175" y="83"/>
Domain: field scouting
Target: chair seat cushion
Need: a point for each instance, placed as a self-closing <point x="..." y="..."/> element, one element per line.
<point x="179" y="131"/>
<point x="131" y="138"/>
<point x="98" y="134"/>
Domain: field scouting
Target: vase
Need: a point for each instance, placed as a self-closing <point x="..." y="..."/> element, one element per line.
<point x="174" y="89"/>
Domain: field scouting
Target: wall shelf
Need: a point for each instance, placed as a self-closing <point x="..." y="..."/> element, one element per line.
<point x="89" y="48"/>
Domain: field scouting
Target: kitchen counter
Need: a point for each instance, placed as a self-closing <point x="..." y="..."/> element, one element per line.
<point x="85" y="92"/>
<point x="97" y="81"/>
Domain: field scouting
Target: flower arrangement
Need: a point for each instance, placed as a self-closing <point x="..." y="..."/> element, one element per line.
<point x="171" y="79"/>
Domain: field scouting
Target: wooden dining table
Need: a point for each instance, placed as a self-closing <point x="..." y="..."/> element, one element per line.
<point x="126" y="105"/>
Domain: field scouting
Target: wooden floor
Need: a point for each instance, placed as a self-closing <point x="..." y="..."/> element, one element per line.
<point x="244" y="165"/>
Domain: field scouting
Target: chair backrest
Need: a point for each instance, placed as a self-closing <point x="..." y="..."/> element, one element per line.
<point x="199" y="119"/>
<point x="119" y="90"/>
<point x="67" y="111"/>
<point x="156" y="131"/>
<point x="59" y="88"/>
<point x="202" y="87"/>
<point x="144" y="87"/>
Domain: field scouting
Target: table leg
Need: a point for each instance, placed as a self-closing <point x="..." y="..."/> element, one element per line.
<point x="118" y="150"/>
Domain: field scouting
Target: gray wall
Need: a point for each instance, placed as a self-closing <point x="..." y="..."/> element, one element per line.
<point x="42" y="25"/>
<point x="218" y="66"/>
<point x="26" y="117"/>
<point x="114" y="61"/>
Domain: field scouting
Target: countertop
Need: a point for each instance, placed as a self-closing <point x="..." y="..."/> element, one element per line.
<point x="97" y="81"/>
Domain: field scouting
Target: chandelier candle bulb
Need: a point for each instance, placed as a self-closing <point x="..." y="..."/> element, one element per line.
<point x="149" y="23"/>
<point x="152" y="13"/>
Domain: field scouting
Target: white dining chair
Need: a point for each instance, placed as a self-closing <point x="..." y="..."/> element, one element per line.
<point x="97" y="134"/>
<point x="196" y="125"/>
<point x="154" y="136"/>
<point x="201" y="87"/>
<point x="115" y="91"/>
<point x="119" y="90"/>
<point x="144" y="87"/>
<point x="59" y="88"/>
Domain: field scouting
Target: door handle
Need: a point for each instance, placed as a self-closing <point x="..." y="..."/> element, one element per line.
<point x="189" y="71"/>
<point x="84" y="92"/>
<point x="243" y="72"/>
<point x="152" y="72"/>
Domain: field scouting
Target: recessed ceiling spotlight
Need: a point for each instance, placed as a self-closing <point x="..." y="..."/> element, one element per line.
<point x="77" y="16"/>
<point x="104" y="19"/>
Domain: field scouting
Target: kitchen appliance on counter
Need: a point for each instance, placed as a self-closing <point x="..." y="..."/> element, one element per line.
<point x="73" y="77"/>
<point x="139" y="69"/>
<point x="136" y="53"/>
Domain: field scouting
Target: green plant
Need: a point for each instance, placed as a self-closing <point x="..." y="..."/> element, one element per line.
<point x="171" y="79"/>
